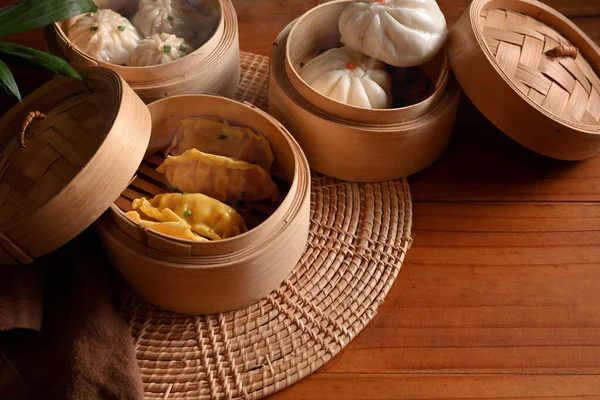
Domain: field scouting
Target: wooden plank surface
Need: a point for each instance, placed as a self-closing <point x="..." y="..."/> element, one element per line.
<point x="498" y="296"/>
<point x="449" y="386"/>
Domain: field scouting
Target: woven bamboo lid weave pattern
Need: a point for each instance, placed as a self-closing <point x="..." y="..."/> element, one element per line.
<point x="532" y="72"/>
<point x="358" y="239"/>
<point x="567" y="87"/>
<point x="58" y="169"/>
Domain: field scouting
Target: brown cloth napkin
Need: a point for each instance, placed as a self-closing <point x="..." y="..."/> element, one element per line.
<point x="61" y="334"/>
<point x="21" y="297"/>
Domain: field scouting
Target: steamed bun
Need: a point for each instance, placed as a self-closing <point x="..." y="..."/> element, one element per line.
<point x="401" y="33"/>
<point x="350" y="77"/>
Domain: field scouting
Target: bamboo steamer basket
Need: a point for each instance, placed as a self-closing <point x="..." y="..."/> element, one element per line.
<point x="212" y="68"/>
<point x="59" y="171"/>
<point x="318" y="29"/>
<point x="209" y="277"/>
<point x="549" y="105"/>
<point x="354" y="151"/>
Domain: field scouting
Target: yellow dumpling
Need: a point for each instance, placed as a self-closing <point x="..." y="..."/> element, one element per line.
<point x="203" y="215"/>
<point x="220" y="138"/>
<point x="179" y="229"/>
<point x="222" y="178"/>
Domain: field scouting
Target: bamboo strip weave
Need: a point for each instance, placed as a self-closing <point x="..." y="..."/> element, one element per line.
<point x="566" y="87"/>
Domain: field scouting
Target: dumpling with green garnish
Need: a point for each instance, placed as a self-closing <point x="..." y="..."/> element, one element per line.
<point x="177" y="17"/>
<point x="159" y="49"/>
<point x="222" y="139"/>
<point x="106" y="36"/>
<point x="222" y="178"/>
<point x="176" y="227"/>
<point x="205" y="216"/>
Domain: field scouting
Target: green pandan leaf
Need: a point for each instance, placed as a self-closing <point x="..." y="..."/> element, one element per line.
<point x="22" y="55"/>
<point x="7" y="81"/>
<point x="31" y="14"/>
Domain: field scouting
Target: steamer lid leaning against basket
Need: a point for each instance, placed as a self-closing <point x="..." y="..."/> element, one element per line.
<point x="501" y="54"/>
<point x="61" y="167"/>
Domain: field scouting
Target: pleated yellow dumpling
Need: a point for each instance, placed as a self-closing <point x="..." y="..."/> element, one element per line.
<point x="204" y="216"/>
<point x="221" y="139"/>
<point x="222" y="178"/>
<point x="177" y="228"/>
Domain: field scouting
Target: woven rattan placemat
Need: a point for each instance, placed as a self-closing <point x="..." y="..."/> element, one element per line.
<point x="358" y="238"/>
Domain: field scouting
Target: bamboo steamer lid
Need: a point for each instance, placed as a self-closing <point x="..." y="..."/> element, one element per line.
<point x="62" y="162"/>
<point x="501" y="52"/>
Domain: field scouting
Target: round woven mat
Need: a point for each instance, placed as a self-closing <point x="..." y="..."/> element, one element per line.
<point x="358" y="239"/>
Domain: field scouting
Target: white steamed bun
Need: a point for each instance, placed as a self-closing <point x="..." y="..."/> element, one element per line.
<point x="401" y="33"/>
<point x="349" y="77"/>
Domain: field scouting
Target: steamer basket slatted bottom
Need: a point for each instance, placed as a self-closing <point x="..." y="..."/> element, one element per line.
<point x="358" y="239"/>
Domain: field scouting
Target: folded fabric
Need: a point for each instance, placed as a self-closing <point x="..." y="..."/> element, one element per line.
<point x="80" y="347"/>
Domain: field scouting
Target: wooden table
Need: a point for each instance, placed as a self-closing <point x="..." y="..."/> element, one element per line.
<point x="498" y="297"/>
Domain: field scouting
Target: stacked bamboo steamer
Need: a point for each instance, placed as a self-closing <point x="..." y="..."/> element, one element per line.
<point x="212" y="68"/>
<point x="348" y="142"/>
<point x="71" y="148"/>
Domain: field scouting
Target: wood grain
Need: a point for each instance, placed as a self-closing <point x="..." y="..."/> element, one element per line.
<point x="438" y="387"/>
<point x="490" y="288"/>
<point x="498" y="297"/>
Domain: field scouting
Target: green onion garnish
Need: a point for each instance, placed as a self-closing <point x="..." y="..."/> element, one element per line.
<point x="121" y="28"/>
<point x="187" y="213"/>
<point x="170" y="18"/>
<point x="94" y="28"/>
<point x="172" y="189"/>
<point x="167" y="48"/>
<point x="183" y="48"/>
<point x="222" y="137"/>
<point x="184" y="193"/>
